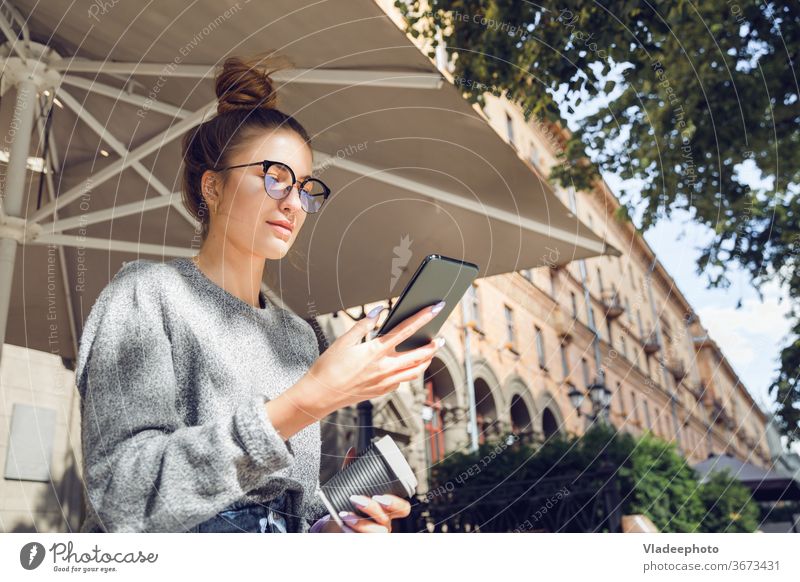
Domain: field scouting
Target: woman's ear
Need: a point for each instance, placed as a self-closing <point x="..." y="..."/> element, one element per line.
<point x="210" y="190"/>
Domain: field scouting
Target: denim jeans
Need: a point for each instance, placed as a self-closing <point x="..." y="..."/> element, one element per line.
<point x="269" y="518"/>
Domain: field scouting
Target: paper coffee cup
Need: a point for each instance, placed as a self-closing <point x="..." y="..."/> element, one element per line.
<point x="379" y="470"/>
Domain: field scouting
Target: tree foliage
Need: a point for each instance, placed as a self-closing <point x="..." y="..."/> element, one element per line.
<point x="690" y="94"/>
<point x="654" y="479"/>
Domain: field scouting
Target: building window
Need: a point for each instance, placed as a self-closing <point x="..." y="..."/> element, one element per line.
<point x="540" y="349"/>
<point x="624" y="346"/>
<point x="610" y="335"/>
<point x="639" y="321"/>
<point x="619" y="398"/>
<point x="552" y="283"/>
<point x="564" y="361"/>
<point x="574" y="304"/>
<point x="509" y="324"/>
<point x="599" y="282"/>
<point x="534" y="155"/>
<point x="472" y="291"/>
<point x="510" y="129"/>
<point x="647" y="415"/>
<point x="585" y="369"/>
<point x="635" y="408"/>
<point x="573" y="202"/>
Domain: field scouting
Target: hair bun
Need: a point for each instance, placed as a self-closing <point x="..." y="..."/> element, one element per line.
<point x="246" y="83"/>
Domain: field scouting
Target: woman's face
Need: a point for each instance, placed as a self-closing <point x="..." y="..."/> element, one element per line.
<point x="245" y="210"/>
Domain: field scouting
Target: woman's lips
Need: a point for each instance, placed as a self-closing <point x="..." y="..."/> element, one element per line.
<point x="281" y="231"/>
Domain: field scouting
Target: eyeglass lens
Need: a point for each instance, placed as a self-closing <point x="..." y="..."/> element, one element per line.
<point x="278" y="182"/>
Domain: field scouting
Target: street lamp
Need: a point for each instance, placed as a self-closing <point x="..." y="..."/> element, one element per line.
<point x="576" y="398"/>
<point x="599" y="395"/>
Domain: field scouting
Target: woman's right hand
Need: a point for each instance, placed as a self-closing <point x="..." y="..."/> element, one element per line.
<point x="352" y="370"/>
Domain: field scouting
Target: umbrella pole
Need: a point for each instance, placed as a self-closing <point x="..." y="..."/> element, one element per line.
<point x="18" y="134"/>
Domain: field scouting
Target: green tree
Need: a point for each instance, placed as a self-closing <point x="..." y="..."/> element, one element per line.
<point x="690" y="93"/>
<point x="728" y="505"/>
<point x="654" y="479"/>
<point x="664" y="486"/>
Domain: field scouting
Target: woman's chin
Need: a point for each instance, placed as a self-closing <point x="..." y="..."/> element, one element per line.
<point x="275" y="249"/>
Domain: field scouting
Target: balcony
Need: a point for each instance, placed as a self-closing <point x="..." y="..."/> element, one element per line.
<point x="699" y="392"/>
<point x="677" y="369"/>
<point x="721" y="415"/>
<point x="562" y="325"/>
<point x="611" y="304"/>
<point x="650" y="343"/>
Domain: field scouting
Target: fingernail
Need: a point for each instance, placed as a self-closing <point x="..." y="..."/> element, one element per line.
<point x="438" y="307"/>
<point x="360" y="500"/>
<point x="384" y="500"/>
<point x="375" y="311"/>
<point x="348" y="518"/>
<point x="439" y="342"/>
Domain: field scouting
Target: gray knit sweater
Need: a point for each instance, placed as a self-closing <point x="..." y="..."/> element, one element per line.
<point x="173" y="373"/>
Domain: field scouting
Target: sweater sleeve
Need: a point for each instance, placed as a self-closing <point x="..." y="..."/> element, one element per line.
<point x="314" y="509"/>
<point x="144" y="470"/>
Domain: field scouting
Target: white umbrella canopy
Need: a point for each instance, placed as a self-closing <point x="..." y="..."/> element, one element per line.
<point x="413" y="167"/>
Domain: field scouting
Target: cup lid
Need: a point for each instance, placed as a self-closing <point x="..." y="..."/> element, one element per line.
<point x="394" y="457"/>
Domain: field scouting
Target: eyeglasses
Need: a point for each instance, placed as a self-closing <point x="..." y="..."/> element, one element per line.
<point x="279" y="179"/>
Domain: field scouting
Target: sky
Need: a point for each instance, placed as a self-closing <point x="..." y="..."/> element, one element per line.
<point x="750" y="337"/>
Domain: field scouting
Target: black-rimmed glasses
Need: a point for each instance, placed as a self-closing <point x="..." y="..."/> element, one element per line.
<point x="279" y="179"/>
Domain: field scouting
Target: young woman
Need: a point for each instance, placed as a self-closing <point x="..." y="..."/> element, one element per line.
<point x="201" y="401"/>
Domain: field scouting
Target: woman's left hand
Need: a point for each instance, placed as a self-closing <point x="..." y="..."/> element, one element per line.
<point x="381" y="509"/>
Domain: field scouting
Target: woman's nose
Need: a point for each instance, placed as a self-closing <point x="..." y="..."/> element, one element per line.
<point x="293" y="199"/>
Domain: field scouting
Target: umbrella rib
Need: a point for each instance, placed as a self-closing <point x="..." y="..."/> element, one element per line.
<point x="135" y="155"/>
<point x="528" y="224"/>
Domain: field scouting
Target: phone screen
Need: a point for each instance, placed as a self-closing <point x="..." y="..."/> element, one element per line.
<point x="437" y="278"/>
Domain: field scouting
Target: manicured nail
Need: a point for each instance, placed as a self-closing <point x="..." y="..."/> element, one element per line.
<point x="384" y="500"/>
<point x="438" y="307"/>
<point x="360" y="500"/>
<point x="348" y="517"/>
<point x="375" y="311"/>
<point x="439" y="342"/>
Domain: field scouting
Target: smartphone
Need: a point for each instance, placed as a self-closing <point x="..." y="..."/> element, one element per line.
<point x="437" y="278"/>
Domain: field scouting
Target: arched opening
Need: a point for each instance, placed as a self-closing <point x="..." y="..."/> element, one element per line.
<point x="485" y="412"/>
<point x="441" y="411"/>
<point x="549" y="424"/>
<point x="521" y="423"/>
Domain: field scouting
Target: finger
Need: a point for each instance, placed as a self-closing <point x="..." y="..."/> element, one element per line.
<point x="394" y="506"/>
<point x="356" y="524"/>
<point x="365" y="325"/>
<point x="407" y="375"/>
<point x="349" y="457"/>
<point x="372" y="508"/>
<point x="405" y="360"/>
<point x="408" y="326"/>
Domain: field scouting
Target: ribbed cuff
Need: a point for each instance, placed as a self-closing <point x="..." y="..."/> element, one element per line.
<point x="259" y="438"/>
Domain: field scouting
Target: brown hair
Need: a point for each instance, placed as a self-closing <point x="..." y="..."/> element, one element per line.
<point x="247" y="106"/>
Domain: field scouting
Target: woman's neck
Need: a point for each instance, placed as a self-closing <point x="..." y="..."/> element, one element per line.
<point x="239" y="274"/>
